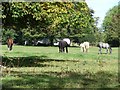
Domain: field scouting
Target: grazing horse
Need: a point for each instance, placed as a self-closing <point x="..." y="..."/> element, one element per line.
<point x="62" y="45"/>
<point x="67" y="40"/>
<point x="10" y="43"/>
<point x="105" y="46"/>
<point x="84" y="46"/>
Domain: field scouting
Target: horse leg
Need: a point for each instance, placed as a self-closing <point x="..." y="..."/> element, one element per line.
<point x="60" y="46"/>
<point x="63" y="49"/>
<point x="86" y="50"/>
<point x="106" y="50"/>
<point x="100" y="50"/>
<point x="110" y="50"/>
<point x="83" y="49"/>
<point x="10" y="47"/>
<point x="59" y="49"/>
<point x="66" y="50"/>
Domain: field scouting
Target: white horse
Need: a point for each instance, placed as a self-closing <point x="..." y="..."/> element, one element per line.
<point x="105" y="46"/>
<point x="84" y="46"/>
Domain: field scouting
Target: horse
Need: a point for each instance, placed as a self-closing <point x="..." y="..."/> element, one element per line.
<point x="67" y="40"/>
<point x="84" y="46"/>
<point x="62" y="45"/>
<point x="10" y="43"/>
<point x="104" y="46"/>
<point x="26" y="42"/>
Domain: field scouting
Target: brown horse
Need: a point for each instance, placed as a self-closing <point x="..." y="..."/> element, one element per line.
<point x="10" y="43"/>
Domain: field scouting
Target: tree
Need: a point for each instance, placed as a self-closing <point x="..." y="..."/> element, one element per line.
<point x="111" y="26"/>
<point x="48" y="19"/>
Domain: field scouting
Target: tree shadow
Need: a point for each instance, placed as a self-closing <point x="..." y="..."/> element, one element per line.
<point x="54" y="79"/>
<point x="31" y="61"/>
<point x="61" y="80"/>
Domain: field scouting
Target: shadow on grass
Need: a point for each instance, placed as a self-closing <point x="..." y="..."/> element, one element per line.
<point x="49" y="79"/>
<point x="61" y="80"/>
<point x="32" y="61"/>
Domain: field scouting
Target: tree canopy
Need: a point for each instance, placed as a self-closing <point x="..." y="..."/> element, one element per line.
<point x="32" y="20"/>
<point x="111" y="25"/>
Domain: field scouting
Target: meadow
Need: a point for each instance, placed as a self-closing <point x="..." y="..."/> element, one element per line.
<point x="44" y="67"/>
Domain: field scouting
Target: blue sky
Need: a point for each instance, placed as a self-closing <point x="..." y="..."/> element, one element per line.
<point x="101" y="7"/>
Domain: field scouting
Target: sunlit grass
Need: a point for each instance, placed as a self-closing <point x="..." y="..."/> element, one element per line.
<point x="52" y="53"/>
<point x="51" y="69"/>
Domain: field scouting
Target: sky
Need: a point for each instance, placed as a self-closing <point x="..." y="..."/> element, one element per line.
<point x="101" y="7"/>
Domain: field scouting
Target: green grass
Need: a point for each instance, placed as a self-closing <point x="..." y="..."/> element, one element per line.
<point x="44" y="67"/>
<point x="52" y="53"/>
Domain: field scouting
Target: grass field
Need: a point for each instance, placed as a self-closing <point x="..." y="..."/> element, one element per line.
<point x="44" y="67"/>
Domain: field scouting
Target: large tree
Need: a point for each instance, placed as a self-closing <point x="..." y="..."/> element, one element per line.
<point x="111" y="26"/>
<point x="48" y="19"/>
